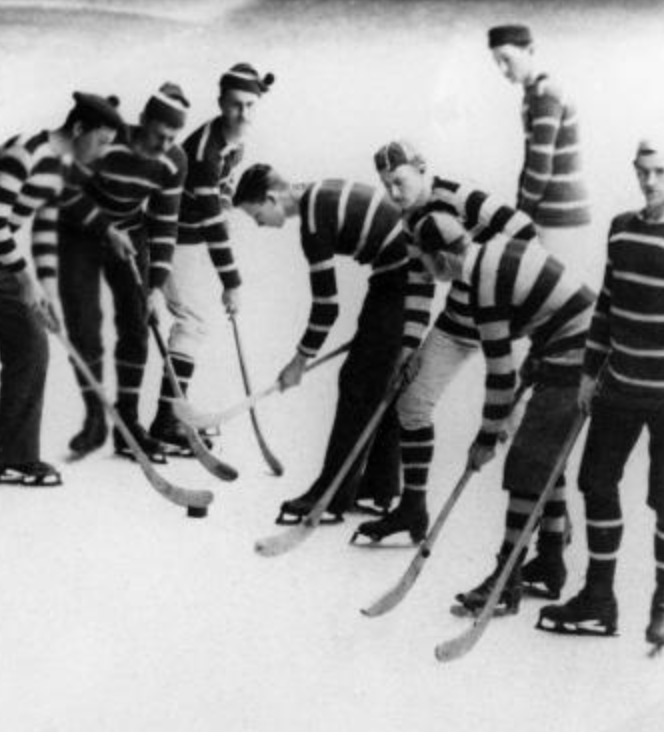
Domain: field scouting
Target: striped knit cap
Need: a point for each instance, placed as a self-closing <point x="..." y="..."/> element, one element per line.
<point x="168" y="105"/>
<point x="439" y="232"/>
<point x="245" y="78"/>
<point x="396" y="153"/>
<point x="510" y="35"/>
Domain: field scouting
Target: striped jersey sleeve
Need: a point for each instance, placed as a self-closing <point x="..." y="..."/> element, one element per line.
<point x="15" y="167"/>
<point x="341" y="217"/>
<point x="45" y="241"/>
<point x="628" y="324"/>
<point x="517" y="291"/>
<point x="208" y="196"/>
<point x="78" y="207"/>
<point x="551" y="186"/>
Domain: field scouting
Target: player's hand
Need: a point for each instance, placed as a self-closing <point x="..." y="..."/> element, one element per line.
<point x="587" y="391"/>
<point x="154" y="303"/>
<point x="479" y="455"/>
<point x="34" y="298"/>
<point x="53" y="308"/>
<point x="120" y="243"/>
<point x="291" y="374"/>
<point x="230" y="299"/>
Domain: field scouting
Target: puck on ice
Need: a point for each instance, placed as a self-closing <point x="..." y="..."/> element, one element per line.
<point x="196" y="511"/>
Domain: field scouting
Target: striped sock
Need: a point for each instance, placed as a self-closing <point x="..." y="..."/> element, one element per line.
<point x="416" y="457"/>
<point x="184" y="369"/>
<point x="659" y="554"/>
<point x="130" y="377"/>
<point x="554" y="516"/>
<point x="519" y="509"/>
<point x="604" y="527"/>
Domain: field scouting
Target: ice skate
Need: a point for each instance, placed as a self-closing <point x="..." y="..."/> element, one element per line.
<point x="35" y="474"/>
<point x="473" y="601"/>
<point x="587" y="613"/>
<point x="171" y="433"/>
<point x="295" y="510"/>
<point x="410" y="516"/>
<point x="94" y="432"/>
<point x="655" y="629"/>
<point x="152" y="448"/>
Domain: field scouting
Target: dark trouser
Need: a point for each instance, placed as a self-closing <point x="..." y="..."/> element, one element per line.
<point x="363" y="380"/>
<point x="24" y="359"/>
<point x="83" y="258"/>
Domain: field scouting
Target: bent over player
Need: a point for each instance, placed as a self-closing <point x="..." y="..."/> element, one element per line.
<point x="339" y="217"/>
<point x="32" y="174"/>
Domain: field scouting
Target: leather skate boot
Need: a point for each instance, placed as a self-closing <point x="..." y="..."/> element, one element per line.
<point x="655" y="629"/>
<point x="94" y="432"/>
<point x="474" y="600"/>
<point x="410" y="515"/>
<point x="594" y="611"/>
<point x="154" y="449"/>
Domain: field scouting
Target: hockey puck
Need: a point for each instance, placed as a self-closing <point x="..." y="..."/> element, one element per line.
<point x="196" y="511"/>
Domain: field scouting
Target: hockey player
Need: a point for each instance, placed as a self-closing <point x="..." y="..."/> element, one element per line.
<point x="551" y="186"/>
<point x="627" y="339"/>
<point x="213" y="152"/>
<point x="127" y="207"/>
<point x="32" y="172"/>
<point x="515" y="290"/>
<point x="339" y="217"/>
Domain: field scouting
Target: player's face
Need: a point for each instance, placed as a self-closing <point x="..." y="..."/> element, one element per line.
<point x="157" y="137"/>
<point x="270" y="213"/>
<point x="514" y="62"/>
<point x="237" y="108"/>
<point x="405" y="185"/>
<point x="650" y="174"/>
<point x="88" y="146"/>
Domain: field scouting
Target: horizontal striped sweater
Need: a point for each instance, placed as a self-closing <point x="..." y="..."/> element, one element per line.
<point x="628" y="324"/>
<point x="484" y="217"/>
<point x="31" y="182"/>
<point x="551" y="187"/>
<point x="207" y="196"/>
<point x="131" y="192"/>
<point x="345" y="218"/>
<point x="519" y="290"/>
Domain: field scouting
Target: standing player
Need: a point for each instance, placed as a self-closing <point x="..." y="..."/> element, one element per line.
<point x="515" y="290"/>
<point x="32" y="171"/>
<point x="213" y="152"/>
<point x="340" y="217"/>
<point x="127" y="207"/>
<point x="551" y="186"/>
<point x="627" y="335"/>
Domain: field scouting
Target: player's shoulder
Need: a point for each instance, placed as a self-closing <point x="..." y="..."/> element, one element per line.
<point x="546" y="86"/>
<point x="624" y="221"/>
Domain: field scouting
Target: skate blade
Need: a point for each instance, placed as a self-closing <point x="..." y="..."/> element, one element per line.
<point x="463" y="611"/>
<point x="656" y="650"/>
<point x="370" y="542"/>
<point x="591" y="627"/>
<point x="177" y="451"/>
<point x="156" y="458"/>
<point x="540" y="592"/>
<point x="367" y="509"/>
<point x="289" y="519"/>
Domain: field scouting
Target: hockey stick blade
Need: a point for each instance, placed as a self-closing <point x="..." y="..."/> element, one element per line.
<point x="212" y="464"/>
<point x="184" y="497"/>
<point x="398" y="592"/>
<point x="459" y="646"/>
<point x="270" y="458"/>
<point x="286" y="541"/>
<point x="204" y="420"/>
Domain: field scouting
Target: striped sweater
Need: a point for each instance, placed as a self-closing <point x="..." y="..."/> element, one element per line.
<point x="346" y="218"/>
<point x="31" y="182"/>
<point x="628" y="325"/>
<point x="484" y="217"/>
<point x="207" y="196"/>
<point x="519" y="290"/>
<point x="551" y="187"/>
<point x="132" y="192"/>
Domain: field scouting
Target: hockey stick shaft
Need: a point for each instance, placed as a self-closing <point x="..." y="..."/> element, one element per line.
<point x="179" y="496"/>
<point x="462" y="644"/>
<point x="270" y="458"/>
<point x="213" y="419"/>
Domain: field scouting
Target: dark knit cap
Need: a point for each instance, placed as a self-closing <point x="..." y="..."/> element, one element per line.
<point x="396" y="153"/>
<point x="97" y="110"/>
<point x="168" y="105"/>
<point x="245" y="78"/>
<point x="439" y="232"/>
<point x="510" y="35"/>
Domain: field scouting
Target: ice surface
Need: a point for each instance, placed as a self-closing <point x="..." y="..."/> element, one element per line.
<point x="117" y="613"/>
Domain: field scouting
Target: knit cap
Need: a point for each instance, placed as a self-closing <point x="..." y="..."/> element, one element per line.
<point x="168" y="105"/>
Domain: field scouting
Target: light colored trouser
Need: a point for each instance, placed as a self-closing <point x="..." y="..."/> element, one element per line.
<point x="441" y="359"/>
<point x="185" y="292"/>
<point x="576" y="249"/>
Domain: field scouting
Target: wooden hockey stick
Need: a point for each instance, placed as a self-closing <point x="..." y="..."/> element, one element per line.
<point x="185" y="412"/>
<point x="270" y="458"/>
<point x="191" y="499"/>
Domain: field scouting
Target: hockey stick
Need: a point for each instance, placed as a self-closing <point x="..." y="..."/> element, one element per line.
<point x="191" y="499"/>
<point x="460" y="645"/>
<point x="275" y="466"/>
<point x="212" y="464"/>
<point x="186" y="413"/>
<point x="280" y="543"/>
<point x="398" y="592"/>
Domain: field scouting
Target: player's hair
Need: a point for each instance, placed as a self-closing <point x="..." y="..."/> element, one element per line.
<point x="256" y="182"/>
<point x="93" y="112"/>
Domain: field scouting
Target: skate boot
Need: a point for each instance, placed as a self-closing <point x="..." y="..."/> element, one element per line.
<point x="655" y="629"/>
<point x="168" y="430"/>
<point x="410" y="515"/>
<point x="545" y="574"/>
<point x="151" y="447"/>
<point x="297" y="509"/>
<point x="473" y="601"/>
<point x="588" y="613"/>
<point x="35" y="474"/>
<point x="94" y="432"/>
